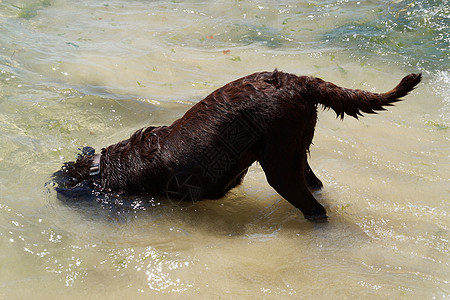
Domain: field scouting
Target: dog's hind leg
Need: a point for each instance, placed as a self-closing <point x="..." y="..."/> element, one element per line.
<point x="312" y="181"/>
<point x="286" y="174"/>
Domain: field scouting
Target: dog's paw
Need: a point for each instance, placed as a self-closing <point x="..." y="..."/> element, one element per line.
<point x="317" y="218"/>
<point x="317" y="215"/>
<point x="315" y="187"/>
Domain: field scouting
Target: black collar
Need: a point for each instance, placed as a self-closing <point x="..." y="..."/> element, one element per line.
<point x="94" y="170"/>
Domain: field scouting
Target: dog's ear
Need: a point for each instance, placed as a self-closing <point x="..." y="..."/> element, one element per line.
<point x="274" y="79"/>
<point x="86" y="150"/>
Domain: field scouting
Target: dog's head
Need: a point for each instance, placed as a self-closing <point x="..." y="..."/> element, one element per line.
<point x="74" y="178"/>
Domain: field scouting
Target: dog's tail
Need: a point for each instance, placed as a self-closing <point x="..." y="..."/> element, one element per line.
<point x="353" y="102"/>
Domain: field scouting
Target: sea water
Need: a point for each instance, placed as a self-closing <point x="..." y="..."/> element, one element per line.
<point x="75" y="73"/>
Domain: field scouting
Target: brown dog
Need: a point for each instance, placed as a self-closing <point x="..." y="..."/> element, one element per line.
<point x="267" y="117"/>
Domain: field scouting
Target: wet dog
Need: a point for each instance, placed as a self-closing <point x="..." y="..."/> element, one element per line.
<point x="267" y="117"/>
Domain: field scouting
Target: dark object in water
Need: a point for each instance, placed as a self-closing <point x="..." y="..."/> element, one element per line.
<point x="267" y="117"/>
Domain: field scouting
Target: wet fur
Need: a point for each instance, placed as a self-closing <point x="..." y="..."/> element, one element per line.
<point x="267" y="117"/>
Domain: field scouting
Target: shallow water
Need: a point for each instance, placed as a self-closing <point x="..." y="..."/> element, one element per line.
<point x="76" y="73"/>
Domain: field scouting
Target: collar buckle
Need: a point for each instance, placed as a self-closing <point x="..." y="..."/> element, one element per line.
<point x="94" y="170"/>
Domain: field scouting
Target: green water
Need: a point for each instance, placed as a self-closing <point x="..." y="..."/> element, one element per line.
<point x="76" y="73"/>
